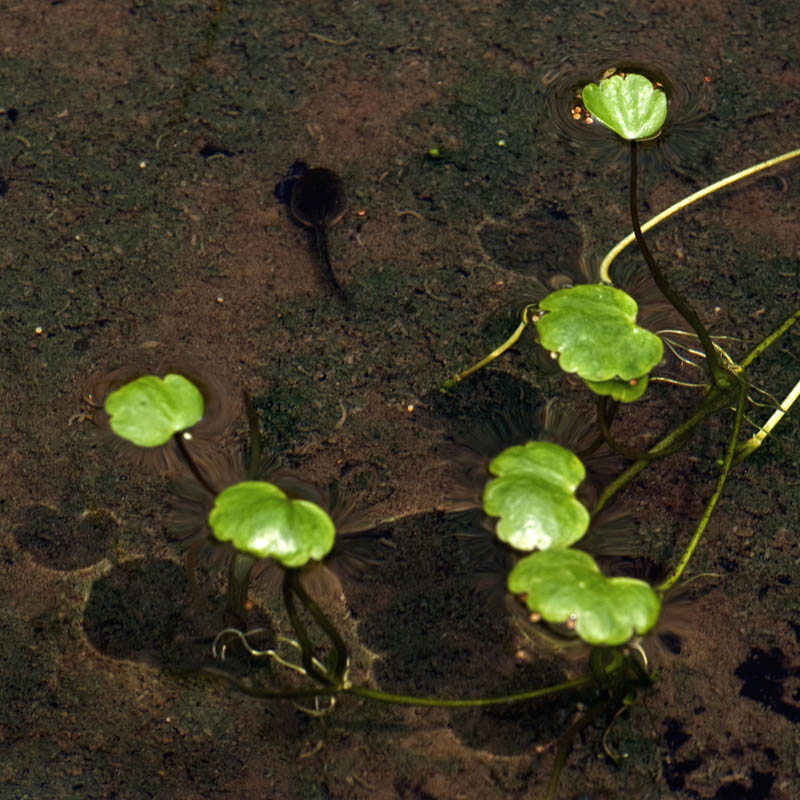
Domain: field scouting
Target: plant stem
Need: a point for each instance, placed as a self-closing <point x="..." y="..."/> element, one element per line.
<point x="770" y="339"/>
<point x="498" y="351"/>
<point x="718" y="374"/>
<point x="600" y="677"/>
<point x="324" y="623"/>
<point x="565" y="743"/>
<point x="687" y="201"/>
<point x="604" y="415"/>
<point x="306" y="648"/>
<point x="716" y="399"/>
<point x="712" y="501"/>
<point x="478" y="702"/>
<point x="756" y="440"/>
<point x="187" y="459"/>
<point x="238" y="585"/>
<point x="397" y="699"/>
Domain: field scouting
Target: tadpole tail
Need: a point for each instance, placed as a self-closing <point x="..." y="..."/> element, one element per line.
<point x="321" y="240"/>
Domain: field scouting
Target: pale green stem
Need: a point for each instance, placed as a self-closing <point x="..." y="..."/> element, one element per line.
<point x="450" y="382"/>
<point x="716" y="399"/>
<point x="247" y="687"/>
<point x="699" y="195"/>
<point x="712" y="501"/>
<point x="755" y="441"/>
<point x="478" y="702"/>
<point x="769" y="340"/>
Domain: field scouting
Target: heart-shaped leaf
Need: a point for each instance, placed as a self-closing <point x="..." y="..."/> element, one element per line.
<point x="150" y="410"/>
<point x="593" y="329"/>
<point x="259" y="519"/>
<point x="630" y="106"/>
<point x="534" y="496"/>
<point x="566" y="586"/>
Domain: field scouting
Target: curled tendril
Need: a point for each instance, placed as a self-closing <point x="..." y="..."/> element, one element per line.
<point x="218" y="651"/>
<point x="317" y="711"/>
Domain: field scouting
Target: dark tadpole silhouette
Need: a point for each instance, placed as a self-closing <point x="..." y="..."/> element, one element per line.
<point x="317" y="200"/>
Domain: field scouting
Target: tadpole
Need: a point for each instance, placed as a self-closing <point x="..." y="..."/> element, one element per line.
<point x="316" y="199"/>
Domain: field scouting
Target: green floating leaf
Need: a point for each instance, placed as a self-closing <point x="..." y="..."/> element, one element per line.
<point x="258" y="518"/>
<point x="534" y="496"/>
<point x="150" y="410"/>
<point x="622" y="391"/>
<point x="566" y="586"/>
<point x="630" y="106"/>
<point x="593" y="329"/>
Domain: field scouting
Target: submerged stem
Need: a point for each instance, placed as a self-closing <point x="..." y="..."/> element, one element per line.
<point x="605" y="413"/>
<point x="605" y="266"/>
<point x="290" y="580"/>
<point x="365" y="692"/>
<point x="712" y="501"/>
<point x="565" y="743"/>
<point x="715" y="400"/>
<point x="498" y="351"/>
<point x="718" y="373"/>
<point x="770" y="339"/>
<point x="183" y="451"/>
<point x="477" y="702"/>
<point x="756" y="440"/>
<point x="340" y="666"/>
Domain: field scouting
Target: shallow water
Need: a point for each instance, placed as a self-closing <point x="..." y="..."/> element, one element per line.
<point x="140" y="144"/>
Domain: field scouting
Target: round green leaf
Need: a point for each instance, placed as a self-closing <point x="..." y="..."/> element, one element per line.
<point x="534" y="496"/>
<point x="566" y="586"/>
<point x="149" y="410"/>
<point x="593" y="329"/>
<point x="630" y="106"/>
<point x="258" y="518"/>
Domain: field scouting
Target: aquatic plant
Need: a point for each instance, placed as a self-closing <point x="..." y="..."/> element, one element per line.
<point x="258" y="518"/>
<point x="591" y="330"/>
<point x="530" y="492"/>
